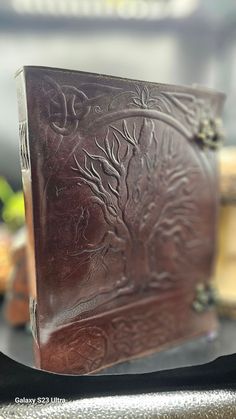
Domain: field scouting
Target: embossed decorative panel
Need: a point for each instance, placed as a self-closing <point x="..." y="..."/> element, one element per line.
<point x="124" y="198"/>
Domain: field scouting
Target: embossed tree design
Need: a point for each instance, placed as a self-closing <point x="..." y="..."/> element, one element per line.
<point x="143" y="188"/>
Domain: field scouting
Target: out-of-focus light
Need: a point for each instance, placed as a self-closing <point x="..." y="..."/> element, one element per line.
<point x="136" y="10"/>
<point x="183" y="8"/>
<point x="124" y="9"/>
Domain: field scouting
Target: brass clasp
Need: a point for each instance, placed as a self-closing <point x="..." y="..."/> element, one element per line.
<point x="206" y="297"/>
<point x="210" y="133"/>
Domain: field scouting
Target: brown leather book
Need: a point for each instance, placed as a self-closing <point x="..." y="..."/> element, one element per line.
<point x="121" y="194"/>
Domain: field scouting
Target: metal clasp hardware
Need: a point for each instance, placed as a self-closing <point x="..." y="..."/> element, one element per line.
<point x="210" y="133"/>
<point x="206" y="297"/>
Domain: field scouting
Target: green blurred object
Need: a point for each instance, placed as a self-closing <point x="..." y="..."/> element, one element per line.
<point x="5" y="190"/>
<point x="13" y="212"/>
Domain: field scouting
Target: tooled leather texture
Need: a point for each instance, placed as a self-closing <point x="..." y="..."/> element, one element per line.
<point x="215" y="404"/>
<point x="124" y="210"/>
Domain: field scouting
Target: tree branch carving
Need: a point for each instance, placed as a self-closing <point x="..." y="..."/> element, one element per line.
<point x="134" y="172"/>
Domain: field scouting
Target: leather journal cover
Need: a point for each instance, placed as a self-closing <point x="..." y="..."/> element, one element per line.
<point x="121" y="196"/>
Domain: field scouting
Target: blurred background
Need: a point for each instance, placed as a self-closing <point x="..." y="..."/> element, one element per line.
<point x="170" y="41"/>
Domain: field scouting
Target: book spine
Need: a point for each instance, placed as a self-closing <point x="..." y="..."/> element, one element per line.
<point x="28" y="199"/>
